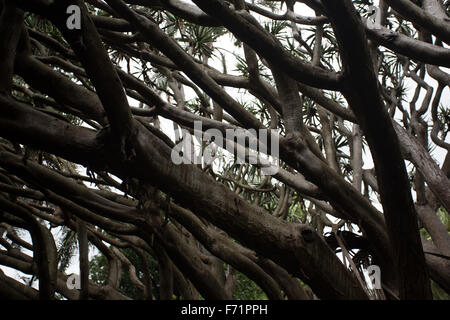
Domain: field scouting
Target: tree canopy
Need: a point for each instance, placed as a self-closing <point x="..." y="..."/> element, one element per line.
<point x="95" y="96"/>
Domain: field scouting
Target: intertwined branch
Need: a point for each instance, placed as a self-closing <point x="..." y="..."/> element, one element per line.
<point x="84" y="148"/>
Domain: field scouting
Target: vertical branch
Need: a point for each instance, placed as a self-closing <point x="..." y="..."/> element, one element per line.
<point x="87" y="44"/>
<point x="357" y="157"/>
<point x="147" y="277"/>
<point x="292" y="104"/>
<point x="326" y="130"/>
<point x="11" y="19"/>
<point x="346" y="256"/>
<point x="83" y="245"/>
<point x="231" y="280"/>
<point x="165" y="273"/>
<point x="44" y="249"/>
<point x="362" y="93"/>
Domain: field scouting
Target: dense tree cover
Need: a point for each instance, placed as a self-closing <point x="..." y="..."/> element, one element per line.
<point x="95" y="95"/>
<point x="245" y="289"/>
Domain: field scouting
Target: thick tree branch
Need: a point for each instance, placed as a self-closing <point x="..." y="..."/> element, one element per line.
<point x="365" y="100"/>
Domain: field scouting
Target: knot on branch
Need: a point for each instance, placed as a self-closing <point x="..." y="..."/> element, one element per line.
<point x="294" y="140"/>
<point x="307" y="235"/>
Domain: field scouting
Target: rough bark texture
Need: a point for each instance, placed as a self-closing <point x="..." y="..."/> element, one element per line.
<point x="84" y="148"/>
